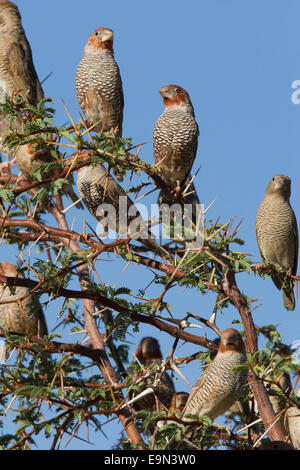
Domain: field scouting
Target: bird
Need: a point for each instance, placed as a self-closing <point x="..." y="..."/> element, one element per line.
<point x="292" y="423"/>
<point x="219" y="386"/>
<point x="175" y="143"/>
<point x="277" y="233"/>
<point x="175" y="138"/>
<point x="107" y="201"/>
<point x="19" y="77"/>
<point x="147" y="354"/>
<point x="17" y="71"/>
<point x="24" y="317"/>
<point x="99" y="87"/>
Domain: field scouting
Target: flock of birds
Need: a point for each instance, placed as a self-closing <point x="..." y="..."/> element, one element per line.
<point x="175" y="140"/>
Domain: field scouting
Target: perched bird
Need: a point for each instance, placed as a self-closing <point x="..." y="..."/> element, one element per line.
<point x="18" y="76"/>
<point x="25" y="316"/>
<point x="99" y="86"/>
<point x="147" y="354"/>
<point x="17" y="72"/>
<point x="219" y="386"/>
<point x="175" y="138"/>
<point x="277" y="233"/>
<point x="108" y="202"/>
<point x="292" y="423"/>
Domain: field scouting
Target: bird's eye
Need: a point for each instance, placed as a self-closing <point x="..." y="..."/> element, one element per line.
<point x="273" y="179"/>
<point x="96" y="33"/>
<point x="177" y="90"/>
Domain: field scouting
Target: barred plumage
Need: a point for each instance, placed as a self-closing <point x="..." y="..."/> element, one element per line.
<point x="99" y="86"/>
<point x="219" y="386"/>
<point x="277" y="232"/>
<point x="175" y="136"/>
<point x="149" y="353"/>
<point x="101" y="194"/>
<point x="27" y="318"/>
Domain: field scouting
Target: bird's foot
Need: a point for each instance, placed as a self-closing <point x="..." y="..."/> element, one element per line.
<point x="176" y="191"/>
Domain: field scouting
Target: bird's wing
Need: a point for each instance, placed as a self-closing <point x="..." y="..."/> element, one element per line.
<point x="22" y="69"/>
<point x="296" y="240"/>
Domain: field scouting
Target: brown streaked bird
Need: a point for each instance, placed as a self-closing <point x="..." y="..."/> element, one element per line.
<point x="27" y="318"/>
<point x="175" y="139"/>
<point x="292" y="423"/>
<point x="107" y="201"/>
<point x="277" y="233"/>
<point x="99" y="86"/>
<point x="18" y="76"/>
<point x="219" y="386"/>
<point x="147" y="354"/>
<point x="17" y="71"/>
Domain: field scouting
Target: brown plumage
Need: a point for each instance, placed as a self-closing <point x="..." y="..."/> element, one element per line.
<point x="17" y="71"/>
<point x="98" y="189"/>
<point x="147" y="354"/>
<point x="99" y="86"/>
<point x="277" y="233"/>
<point x="219" y="387"/>
<point x="27" y="318"/>
<point x="18" y="76"/>
<point x="175" y="137"/>
<point x="292" y="423"/>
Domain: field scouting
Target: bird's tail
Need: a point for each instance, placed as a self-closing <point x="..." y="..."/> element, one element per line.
<point x="289" y="299"/>
<point x="287" y="292"/>
<point x="152" y="245"/>
<point x="192" y="210"/>
<point x="69" y="191"/>
<point x="119" y="173"/>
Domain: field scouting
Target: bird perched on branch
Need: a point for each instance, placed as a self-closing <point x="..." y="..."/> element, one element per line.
<point x="219" y="386"/>
<point x="292" y="423"/>
<point x="147" y="354"/>
<point x="277" y="234"/>
<point x="18" y="77"/>
<point x="17" y="71"/>
<point x="99" y="86"/>
<point x="175" y="142"/>
<point x="108" y="202"/>
<point x="24" y="314"/>
<point x="175" y="139"/>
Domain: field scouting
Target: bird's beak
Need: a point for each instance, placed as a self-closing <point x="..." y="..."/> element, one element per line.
<point x="107" y="36"/>
<point x="164" y="91"/>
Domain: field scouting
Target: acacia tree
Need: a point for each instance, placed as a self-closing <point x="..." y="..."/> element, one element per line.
<point x="56" y="387"/>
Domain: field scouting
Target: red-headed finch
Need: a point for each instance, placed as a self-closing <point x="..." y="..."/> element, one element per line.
<point x="147" y="354"/>
<point x="99" y="86"/>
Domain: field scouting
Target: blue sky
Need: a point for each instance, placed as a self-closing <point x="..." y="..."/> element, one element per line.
<point x="238" y="61"/>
